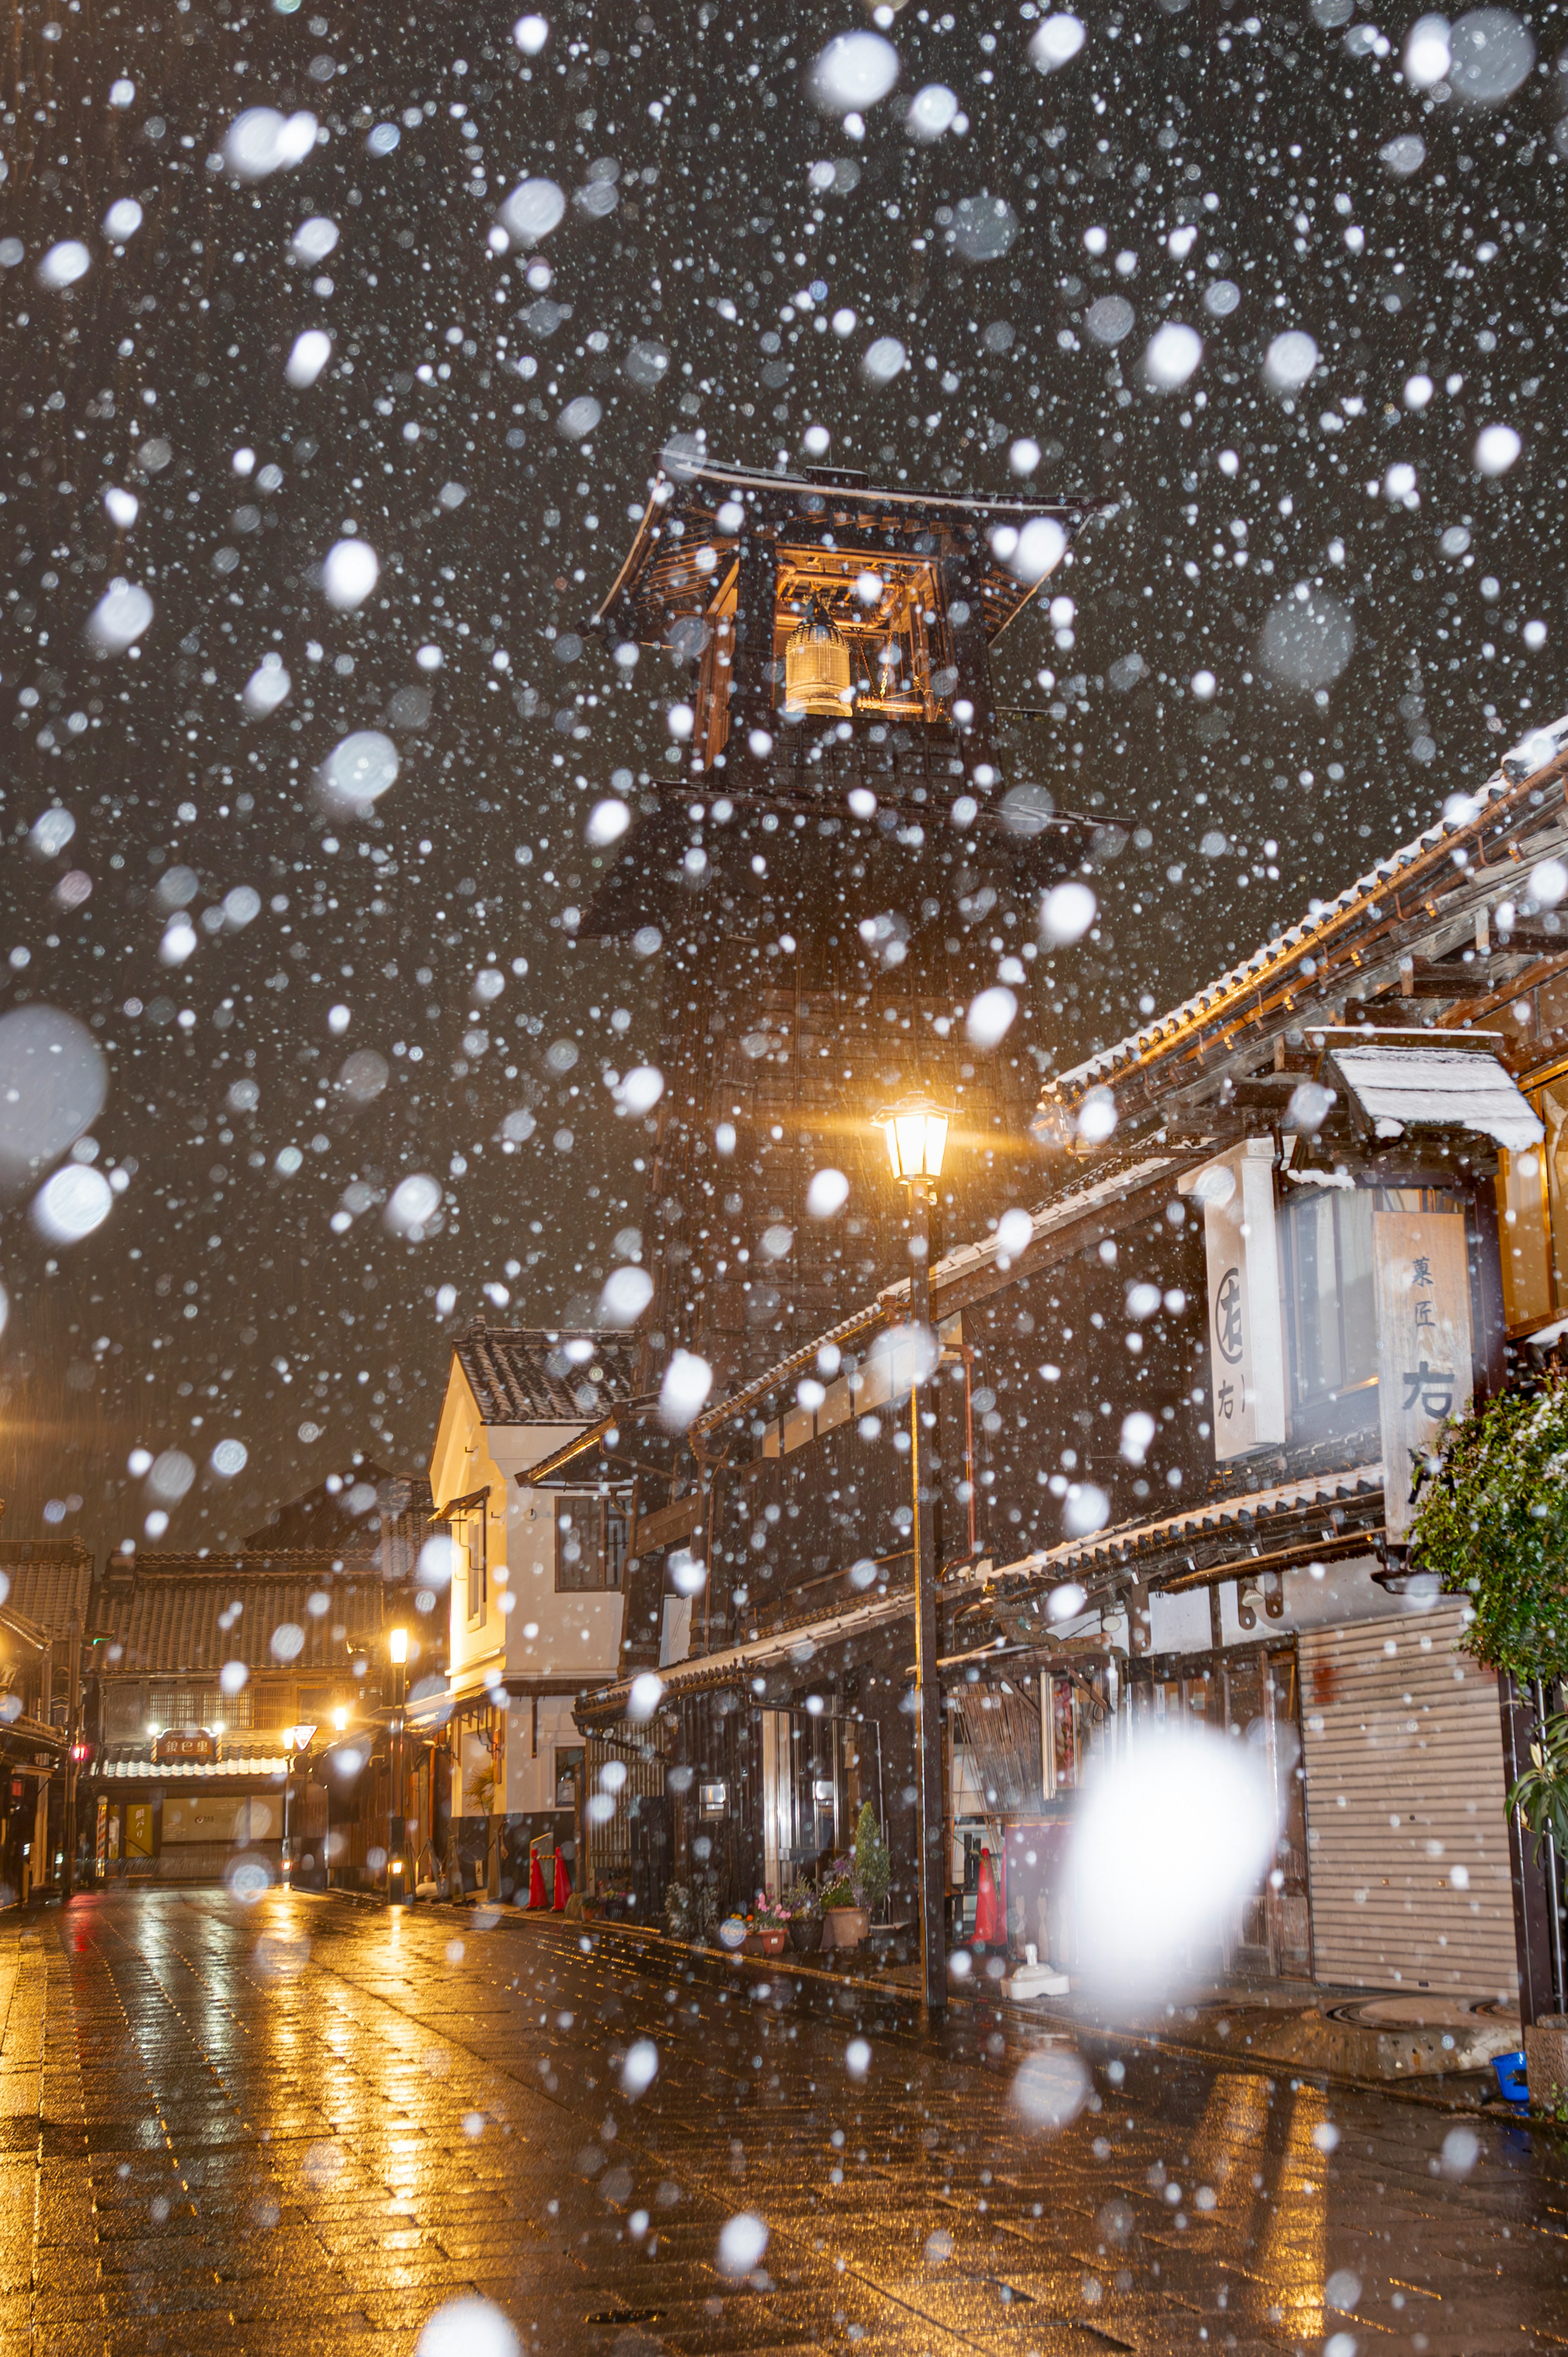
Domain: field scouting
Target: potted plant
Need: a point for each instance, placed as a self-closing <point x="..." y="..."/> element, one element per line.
<point x="767" y="1927"/>
<point x="805" y="1919"/>
<point x="873" y="1866"/>
<point x="845" y="1916"/>
<point x="692" y="1910"/>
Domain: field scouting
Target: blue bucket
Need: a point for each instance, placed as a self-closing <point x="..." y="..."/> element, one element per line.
<point x="1511" y="2081"/>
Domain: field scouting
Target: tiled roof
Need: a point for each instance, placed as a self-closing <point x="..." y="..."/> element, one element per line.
<point x="1450" y="865"/>
<point x="524" y="1374"/>
<point x="1108" y="1551"/>
<point x="1079" y="1200"/>
<point x="169" y="1626"/>
<point x="143" y="1770"/>
<point x="245" y="1563"/>
<point x="50" y="1581"/>
<point x="342" y="1515"/>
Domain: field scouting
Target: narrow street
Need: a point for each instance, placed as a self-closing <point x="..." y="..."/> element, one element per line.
<point x="306" y="2125"/>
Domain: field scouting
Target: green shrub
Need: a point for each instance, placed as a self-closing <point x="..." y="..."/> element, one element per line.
<point x="692" y="1908"/>
<point x="1491" y="1522"/>
<point x="872" y="1867"/>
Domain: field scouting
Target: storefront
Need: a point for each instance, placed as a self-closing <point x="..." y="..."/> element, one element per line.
<point x="185" y="1809"/>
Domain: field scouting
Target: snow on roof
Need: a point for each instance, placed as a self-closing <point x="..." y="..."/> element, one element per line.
<point x="1108" y="1551"/>
<point x="1060" y="1211"/>
<point x="1532" y="754"/>
<point x="1437" y="1086"/>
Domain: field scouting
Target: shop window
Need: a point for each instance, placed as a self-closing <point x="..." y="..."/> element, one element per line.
<point x="1552" y="1107"/>
<point x="568" y="1770"/>
<point x="174" y="1707"/>
<point x="590" y="1544"/>
<point x="1330" y="1318"/>
<point x="1530" y="1223"/>
<point x="184" y="1706"/>
<point x="124" y="1720"/>
<point x="468" y="1528"/>
<point x="316" y="1704"/>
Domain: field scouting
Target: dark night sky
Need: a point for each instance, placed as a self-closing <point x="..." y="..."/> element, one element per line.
<point x="168" y="1328"/>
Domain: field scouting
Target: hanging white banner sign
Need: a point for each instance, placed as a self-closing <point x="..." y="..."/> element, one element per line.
<point x="1421" y="1274"/>
<point x="1246" y="1347"/>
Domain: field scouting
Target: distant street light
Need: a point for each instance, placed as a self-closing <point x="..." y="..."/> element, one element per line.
<point x="295" y="1739"/>
<point x="397" y="1862"/>
<point x="916" y="1132"/>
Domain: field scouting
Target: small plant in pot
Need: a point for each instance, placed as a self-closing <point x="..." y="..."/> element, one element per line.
<point x="767" y="1926"/>
<point x="805" y="1919"/>
<point x="873" y="1866"/>
<point x="846" y="1919"/>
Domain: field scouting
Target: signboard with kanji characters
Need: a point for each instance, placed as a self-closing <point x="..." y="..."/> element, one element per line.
<point x="191" y="1744"/>
<point x="1421" y="1275"/>
<point x="1246" y="1355"/>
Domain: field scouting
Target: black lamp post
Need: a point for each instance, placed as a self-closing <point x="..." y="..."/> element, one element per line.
<point x="916" y="1131"/>
<point x="397" y="1858"/>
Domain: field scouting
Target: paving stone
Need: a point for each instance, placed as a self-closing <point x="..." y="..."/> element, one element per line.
<point x="197" y="2154"/>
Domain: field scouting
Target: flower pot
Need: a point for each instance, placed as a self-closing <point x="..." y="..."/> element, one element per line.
<point x="767" y="1941"/>
<point x="844" y="1927"/>
<point x="805" y="1935"/>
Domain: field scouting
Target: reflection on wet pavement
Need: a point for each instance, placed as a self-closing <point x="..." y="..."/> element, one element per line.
<point x="305" y="2124"/>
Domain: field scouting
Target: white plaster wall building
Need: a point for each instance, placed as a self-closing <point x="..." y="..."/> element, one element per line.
<point x="535" y="1599"/>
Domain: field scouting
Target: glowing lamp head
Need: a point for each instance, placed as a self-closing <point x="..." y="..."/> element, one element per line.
<point x="340" y="1718"/>
<point x="916" y="1132"/>
<point x="397" y="1645"/>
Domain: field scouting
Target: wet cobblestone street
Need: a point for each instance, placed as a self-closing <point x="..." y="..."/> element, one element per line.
<point x="303" y="2125"/>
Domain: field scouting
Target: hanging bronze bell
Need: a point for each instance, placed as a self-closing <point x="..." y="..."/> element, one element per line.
<point x="816" y="667"/>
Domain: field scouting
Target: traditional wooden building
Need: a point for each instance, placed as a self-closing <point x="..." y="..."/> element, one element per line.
<point x="239" y="1704"/>
<point x="1170" y="1420"/>
<point x="839" y="851"/>
<point x="46" y="1647"/>
<point x="533" y="1586"/>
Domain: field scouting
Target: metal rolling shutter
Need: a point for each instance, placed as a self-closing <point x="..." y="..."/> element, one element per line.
<point x="1402" y="1754"/>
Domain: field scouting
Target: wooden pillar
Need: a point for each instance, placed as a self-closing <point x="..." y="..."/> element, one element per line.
<point x="1483" y="1235"/>
<point x="965" y="619"/>
<point x="751" y="689"/>
<point x="1534" y="1882"/>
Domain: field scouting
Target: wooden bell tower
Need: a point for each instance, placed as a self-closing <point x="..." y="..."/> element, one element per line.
<point x="840" y="856"/>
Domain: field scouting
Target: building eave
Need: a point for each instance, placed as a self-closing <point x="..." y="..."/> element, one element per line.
<point x="794" y="1642"/>
<point x="1350" y="944"/>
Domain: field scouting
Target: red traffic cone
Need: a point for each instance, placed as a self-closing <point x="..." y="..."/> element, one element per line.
<point x="562" y="1885"/>
<point x="990" y="1926"/>
<point x="537" y="1895"/>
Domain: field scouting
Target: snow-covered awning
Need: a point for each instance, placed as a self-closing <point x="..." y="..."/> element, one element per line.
<point x="1404" y="1085"/>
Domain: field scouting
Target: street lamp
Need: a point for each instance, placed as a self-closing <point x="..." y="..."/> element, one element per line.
<point x="916" y="1133"/>
<point x="295" y="1739"/>
<point x="397" y="1864"/>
